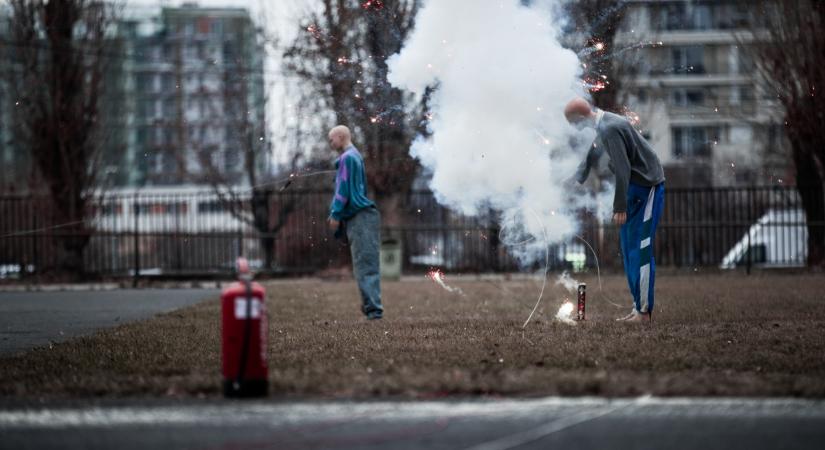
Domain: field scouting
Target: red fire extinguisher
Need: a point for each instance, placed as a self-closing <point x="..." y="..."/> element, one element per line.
<point x="245" y="329"/>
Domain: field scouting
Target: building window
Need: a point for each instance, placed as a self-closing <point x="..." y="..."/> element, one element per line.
<point x="160" y="208"/>
<point x="776" y="136"/>
<point x="194" y="136"/>
<point x="688" y="97"/>
<point x="740" y="95"/>
<point x="671" y="17"/>
<point x="204" y="25"/>
<point x="747" y="94"/>
<point x="156" y="136"/>
<point x="142" y="136"/>
<point x="700" y="17"/>
<point x="684" y="16"/>
<point x="232" y="160"/>
<point x="190" y="52"/>
<point x="155" y="54"/>
<point x="216" y="28"/>
<point x="694" y="142"/>
<point x="146" y="82"/>
<point x="168" y="83"/>
<point x="169" y="137"/>
<point x="745" y="63"/>
<point x="735" y="95"/>
<point x="146" y="109"/>
<point x="733" y="16"/>
<point x="688" y="59"/>
<point x="170" y="108"/>
<point x="211" y="134"/>
<point x="169" y="164"/>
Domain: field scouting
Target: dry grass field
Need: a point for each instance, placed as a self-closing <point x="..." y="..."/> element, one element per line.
<point x="712" y="335"/>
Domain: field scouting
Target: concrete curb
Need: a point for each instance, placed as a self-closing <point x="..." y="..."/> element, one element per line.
<point x="71" y="287"/>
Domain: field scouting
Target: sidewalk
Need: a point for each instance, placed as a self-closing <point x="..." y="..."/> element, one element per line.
<point x="32" y="319"/>
<point x="109" y="286"/>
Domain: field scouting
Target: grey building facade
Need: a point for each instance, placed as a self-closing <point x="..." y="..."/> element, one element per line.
<point x="196" y="95"/>
<point x="696" y="91"/>
<point x="183" y="101"/>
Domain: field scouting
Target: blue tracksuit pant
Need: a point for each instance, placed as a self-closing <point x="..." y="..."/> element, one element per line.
<point x="644" y="208"/>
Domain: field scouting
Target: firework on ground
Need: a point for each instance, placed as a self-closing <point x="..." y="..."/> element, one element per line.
<point x="438" y="276"/>
<point x="565" y="312"/>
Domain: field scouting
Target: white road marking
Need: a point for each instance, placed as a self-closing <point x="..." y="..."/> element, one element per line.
<point x="269" y="413"/>
<point x="534" y="434"/>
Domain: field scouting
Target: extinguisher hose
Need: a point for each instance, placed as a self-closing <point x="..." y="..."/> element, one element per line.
<point x="247" y="335"/>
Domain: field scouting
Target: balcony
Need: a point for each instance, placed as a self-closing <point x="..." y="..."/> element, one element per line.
<point x="683" y="37"/>
<point x="714" y="109"/>
<point x="663" y="79"/>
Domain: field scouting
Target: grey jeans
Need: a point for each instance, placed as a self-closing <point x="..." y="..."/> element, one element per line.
<point x="364" y="234"/>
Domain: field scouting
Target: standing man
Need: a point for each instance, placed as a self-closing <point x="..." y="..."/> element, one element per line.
<point x="639" y="197"/>
<point x="352" y="213"/>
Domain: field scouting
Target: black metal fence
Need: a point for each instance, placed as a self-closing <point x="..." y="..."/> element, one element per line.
<point x="197" y="233"/>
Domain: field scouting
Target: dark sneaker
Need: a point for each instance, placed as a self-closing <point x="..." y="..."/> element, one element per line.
<point x="374" y="316"/>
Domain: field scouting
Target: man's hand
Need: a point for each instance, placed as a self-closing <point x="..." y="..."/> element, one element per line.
<point x="333" y="224"/>
<point x="620" y="218"/>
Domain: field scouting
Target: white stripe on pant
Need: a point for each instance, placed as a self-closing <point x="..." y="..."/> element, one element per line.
<point x="644" y="270"/>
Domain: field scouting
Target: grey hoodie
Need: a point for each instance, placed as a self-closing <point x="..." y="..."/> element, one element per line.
<point x="632" y="159"/>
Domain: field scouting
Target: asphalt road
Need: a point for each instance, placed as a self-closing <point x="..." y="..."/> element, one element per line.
<point x="588" y="423"/>
<point x="31" y="319"/>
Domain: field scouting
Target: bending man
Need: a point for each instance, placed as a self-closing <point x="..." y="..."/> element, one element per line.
<point x="639" y="198"/>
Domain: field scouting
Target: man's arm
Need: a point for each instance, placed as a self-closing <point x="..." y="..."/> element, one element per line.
<point x="341" y="198"/>
<point x="583" y="171"/>
<point x="615" y="147"/>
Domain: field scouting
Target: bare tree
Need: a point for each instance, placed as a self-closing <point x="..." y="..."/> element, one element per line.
<point x="57" y="50"/>
<point x="787" y="42"/>
<point x="340" y="54"/>
<point x="596" y="22"/>
<point x="239" y="174"/>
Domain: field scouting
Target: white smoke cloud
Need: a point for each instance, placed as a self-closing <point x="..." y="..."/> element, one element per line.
<point x="499" y="136"/>
<point x="568" y="282"/>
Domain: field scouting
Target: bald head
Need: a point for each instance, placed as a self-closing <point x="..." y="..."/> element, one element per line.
<point x="339" y="137"/>
<point x="578" y="110"/>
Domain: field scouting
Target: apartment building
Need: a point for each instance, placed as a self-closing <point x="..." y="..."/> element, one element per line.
<point x="196" y="95"/>
<point x="183" y="100"/>
<point x="695" y="89"/>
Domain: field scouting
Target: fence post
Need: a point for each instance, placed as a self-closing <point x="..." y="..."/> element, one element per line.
<point x="176" y="206"/>
<point x="136" y="238"/>
<point x="750" y="218"/>
<point x="35" y="237"/>
<point x="240" y="226"/>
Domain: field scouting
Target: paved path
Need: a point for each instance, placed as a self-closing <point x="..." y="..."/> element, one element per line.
<point x="588" y="423"/>
<point x="30" y="319"/>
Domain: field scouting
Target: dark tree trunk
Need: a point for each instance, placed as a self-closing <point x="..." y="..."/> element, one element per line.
<point x="57" y="53"/>
<point x="260" y="214"/>
<point x="786" y="42"/>
<point x="813" y="201"/>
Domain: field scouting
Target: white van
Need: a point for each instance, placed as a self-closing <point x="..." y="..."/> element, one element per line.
<point x="778" y="239"/>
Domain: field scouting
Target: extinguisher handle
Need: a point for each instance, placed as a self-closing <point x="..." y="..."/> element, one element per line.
<point x="242" y="268"/>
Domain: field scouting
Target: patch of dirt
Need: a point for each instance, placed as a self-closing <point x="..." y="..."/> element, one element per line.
<point x="712" y="335"/>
